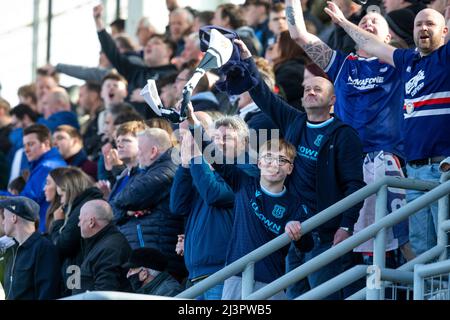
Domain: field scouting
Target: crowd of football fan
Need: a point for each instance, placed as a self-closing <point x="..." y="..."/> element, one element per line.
<point x="319" y="100"/>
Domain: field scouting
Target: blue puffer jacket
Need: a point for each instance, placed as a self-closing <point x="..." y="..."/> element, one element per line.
<point x="207" y="201"/>
<point x="60" y="118"/>
<point x="148" y="191"/>
<point x="34" y="189"/>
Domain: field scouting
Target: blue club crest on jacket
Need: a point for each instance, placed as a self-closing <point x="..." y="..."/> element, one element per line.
<point x="278" y="211"/>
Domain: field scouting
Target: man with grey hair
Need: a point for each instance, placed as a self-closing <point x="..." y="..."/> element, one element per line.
<point x="104" y="251"/>
<point x="152" y="142"/>
<point x="144" y="31"/>
<point x="143" y="203"/>
<point x="181" y="21"/>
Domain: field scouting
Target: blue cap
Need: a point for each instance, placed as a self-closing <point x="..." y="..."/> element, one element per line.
<point x="21" y="206"/>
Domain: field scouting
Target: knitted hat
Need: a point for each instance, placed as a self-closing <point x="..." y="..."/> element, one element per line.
<point x="402" y="23"/>
<point x="148" y="258"/>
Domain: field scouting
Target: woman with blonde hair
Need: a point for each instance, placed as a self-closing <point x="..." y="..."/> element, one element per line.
<point x="75" y="188"/>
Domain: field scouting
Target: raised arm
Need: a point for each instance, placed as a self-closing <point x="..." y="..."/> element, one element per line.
<point x="81" y="72"/>
<point x="364" y="40"/>
<point x="122" y="64"/>
<point x="315" y="48"/>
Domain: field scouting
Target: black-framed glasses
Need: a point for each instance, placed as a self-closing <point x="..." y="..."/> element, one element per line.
<point x="280" y="161"/>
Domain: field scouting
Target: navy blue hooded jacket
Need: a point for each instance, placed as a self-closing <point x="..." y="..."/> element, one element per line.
<point x="207" y="200"/>
<point x="339" y="164"/>
<point x="148" y="192"/>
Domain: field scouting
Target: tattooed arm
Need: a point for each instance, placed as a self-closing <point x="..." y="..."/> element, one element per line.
<point x="365" y="41"/>
<point x="315" y="48"/>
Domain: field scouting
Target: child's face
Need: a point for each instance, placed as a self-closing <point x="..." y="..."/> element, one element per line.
<point x="275" y="166"/>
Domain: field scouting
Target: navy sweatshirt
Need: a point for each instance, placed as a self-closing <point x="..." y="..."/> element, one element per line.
<point x="260" y="217"/>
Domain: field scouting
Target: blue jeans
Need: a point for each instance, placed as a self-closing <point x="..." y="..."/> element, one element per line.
<point x="423" y="224"/>
<point x="318" y="277"/>
<point x="294" y="259"/>
<point x="215" y="293"/>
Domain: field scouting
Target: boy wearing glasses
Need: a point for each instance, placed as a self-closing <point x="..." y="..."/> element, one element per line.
<point x="263" y="210"/>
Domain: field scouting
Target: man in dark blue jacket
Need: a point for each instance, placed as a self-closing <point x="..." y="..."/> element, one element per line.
<point x="201" y="194"/>
<point x="42" y="159"/>
<point x="141" y="207"/>
<point x="33" y="268"/>
<point x="328" y="167"/>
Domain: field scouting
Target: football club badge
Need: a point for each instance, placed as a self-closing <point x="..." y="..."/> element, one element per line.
<point x="409" y="108"/>
<point x="278" y="211"/>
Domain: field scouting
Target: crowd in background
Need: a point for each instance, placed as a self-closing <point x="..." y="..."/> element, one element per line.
<point x="100" y="186"/>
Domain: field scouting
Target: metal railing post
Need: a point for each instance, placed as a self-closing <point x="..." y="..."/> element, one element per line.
<point x="379" y="244"/>
<point x="443" y="211"/>
<point x="248" y="280"/>
<point x="425" y="257"/>
<point x="373" y="283"/>
<point x="347" y="245"/>
<point x="418" y="283"/>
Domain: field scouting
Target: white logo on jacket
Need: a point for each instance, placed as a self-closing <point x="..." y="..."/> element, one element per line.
<point x="414" y="85"/>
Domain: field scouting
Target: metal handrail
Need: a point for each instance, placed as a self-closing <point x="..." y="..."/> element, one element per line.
<point x="352" y="275"/>
<point x="426" y="271"/>
<point x="425" y="257"/>
<point x="347" y="245"/>
<point x="307" y="226"/>
<point x="115" y="295"/>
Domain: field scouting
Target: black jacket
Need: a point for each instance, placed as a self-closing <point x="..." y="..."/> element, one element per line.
<point x="339" y="164"/>
<point x="33" y="270"/>
<point x="103" y="257"/>
<point x="67" y="237"/>
<point x="135" y="73"/>
<point x="92" y="141"/>
<point x="148" y="191"/>
<point x="163" y="285"/>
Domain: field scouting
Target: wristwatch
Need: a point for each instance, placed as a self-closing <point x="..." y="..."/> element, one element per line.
<point x="346" y="229"/>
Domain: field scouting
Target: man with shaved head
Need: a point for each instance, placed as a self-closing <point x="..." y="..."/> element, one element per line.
<point x="328" y="166"/>
<point x="57" y="110"/>
<point x="426" y="79"/>
<point x="369" y="98"/>
<point x="104" y="250"/>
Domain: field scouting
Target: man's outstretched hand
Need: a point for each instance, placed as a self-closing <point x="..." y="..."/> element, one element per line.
<point x="334" y="12"/>
<point x="245" y="53"/>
